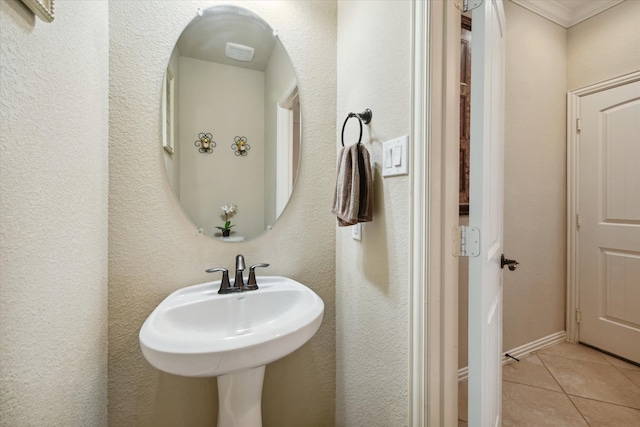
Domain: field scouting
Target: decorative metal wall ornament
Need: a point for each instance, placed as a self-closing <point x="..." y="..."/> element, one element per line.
<point x="240" y="146"/>
<point x="205" y="144"/>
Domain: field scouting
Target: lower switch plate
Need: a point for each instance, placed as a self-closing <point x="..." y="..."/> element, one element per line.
<point x="356" y="231"/>
<point x="395" y="157"/>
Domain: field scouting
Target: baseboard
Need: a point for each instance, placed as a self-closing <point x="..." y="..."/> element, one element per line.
<point x="523" y="350"/>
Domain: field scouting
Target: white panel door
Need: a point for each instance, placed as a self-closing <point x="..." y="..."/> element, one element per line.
<point x="609" y="209"/>
<point x="485" y="213"/>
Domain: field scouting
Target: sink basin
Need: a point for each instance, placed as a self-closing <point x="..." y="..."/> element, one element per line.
<point x="197" y="332"/>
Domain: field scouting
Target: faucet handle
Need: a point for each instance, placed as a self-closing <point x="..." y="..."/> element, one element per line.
<point x="225" y="287"/>
<point x="252" y="285"/>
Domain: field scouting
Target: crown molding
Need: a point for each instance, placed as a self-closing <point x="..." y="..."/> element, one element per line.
<point x="567" y="13"/>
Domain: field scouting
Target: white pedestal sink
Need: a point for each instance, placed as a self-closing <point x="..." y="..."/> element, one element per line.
<point x="197" y="332"/>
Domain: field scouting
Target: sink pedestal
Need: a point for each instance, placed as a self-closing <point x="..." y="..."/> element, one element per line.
<point x="240" y="398"/>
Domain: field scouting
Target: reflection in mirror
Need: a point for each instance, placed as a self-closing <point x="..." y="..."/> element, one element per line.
<point x="230" y="77"/>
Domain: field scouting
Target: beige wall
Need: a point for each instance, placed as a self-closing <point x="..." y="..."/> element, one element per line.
<point x="604" y="46"/>
<point x="214" y="99"/>
<point x="53" y="215"/>
<point x="53" y="247"/>
<point x="154" y="249"/>
<point x="535" y="195"/>
<point x="545" y="60"/>
<point x="535" y="177"/>
<point x="372" y="276"/>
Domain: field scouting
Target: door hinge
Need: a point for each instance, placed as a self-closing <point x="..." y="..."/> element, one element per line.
<point x="578" y="316"/>
<point x="578" y="125"/>
<point x="578" y="223"/>
<point x="466" y="241"/>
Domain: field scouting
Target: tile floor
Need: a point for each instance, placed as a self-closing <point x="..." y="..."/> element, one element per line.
<point x="566" y="385"/>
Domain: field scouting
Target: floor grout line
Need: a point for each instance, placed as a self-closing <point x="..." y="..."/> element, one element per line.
<point x="563" y="391"/>
<point x="535" y="386"/>
<point x="587" y="361"/>
<point x="603" y="401"/>
<point x="553" y="376"/>
<point x="619" y="369"/>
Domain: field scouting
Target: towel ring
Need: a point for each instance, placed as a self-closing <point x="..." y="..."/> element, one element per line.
<point x="362" y="117"/>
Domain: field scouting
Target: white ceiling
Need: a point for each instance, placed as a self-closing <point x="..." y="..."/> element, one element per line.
<point x="206" y="36"/>
<point x="567" y="12"/>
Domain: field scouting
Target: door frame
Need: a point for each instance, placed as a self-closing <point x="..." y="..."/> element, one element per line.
<point x="284" y="145"/>
<point x="573" y="140"/>
<point x="433" y="310"/>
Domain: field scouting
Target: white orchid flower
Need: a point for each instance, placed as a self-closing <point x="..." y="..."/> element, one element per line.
<point x="229" y="208"/>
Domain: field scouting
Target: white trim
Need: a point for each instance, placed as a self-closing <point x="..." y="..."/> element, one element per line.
<point x="168" y="111"/>
<point x="567" y="15"/>
<point x="284" y="172"/>
<point x="434" y="213"/>
<point x="573" y="137"/>
<point x="418" y="393"/>
<point x="289" y="95"/>
<point x="572" y="210"/>
<point x="524" y="350"/>
<point x="284" y="146"/>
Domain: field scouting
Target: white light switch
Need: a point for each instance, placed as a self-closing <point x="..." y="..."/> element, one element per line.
<point x="397" y="156"/>
<point x="387" y="158"/>
<point x="395" y="159"/>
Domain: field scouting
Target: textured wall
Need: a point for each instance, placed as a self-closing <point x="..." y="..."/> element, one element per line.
<point x="53" y="215"/>
<point x="372" y="281"/>
<point x="154" y="249"/>
<point x="604" y="46"/>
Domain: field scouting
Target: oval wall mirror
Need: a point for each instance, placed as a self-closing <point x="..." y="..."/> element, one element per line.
<point x="231" y="123"/>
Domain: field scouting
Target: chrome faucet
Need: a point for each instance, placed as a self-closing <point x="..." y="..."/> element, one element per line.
<point x="238" y="284"/>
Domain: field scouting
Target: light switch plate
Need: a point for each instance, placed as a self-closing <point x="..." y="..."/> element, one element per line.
<point x="395" y="157"/>
<point x="356" y="231"/>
